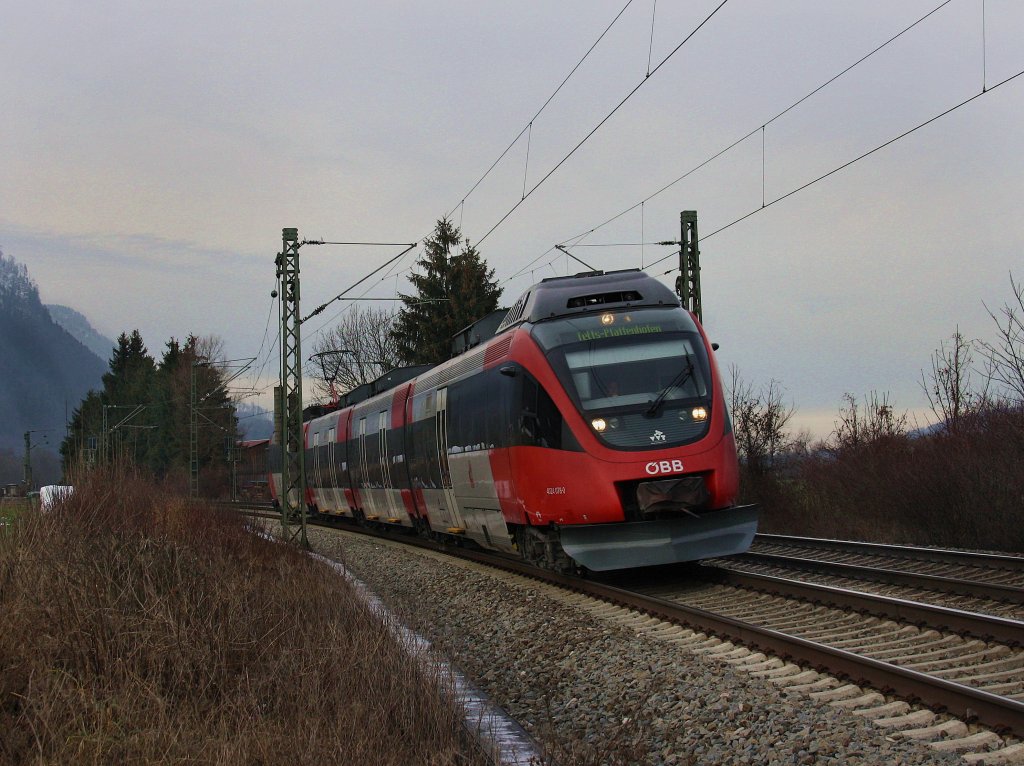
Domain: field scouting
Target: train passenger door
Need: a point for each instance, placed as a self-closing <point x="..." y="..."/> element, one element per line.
<point x="346" y="448"/>
<point x="313" y="470"/>
<point x="370" y="502"/>
<point x="391" y="509"/>
<point x="441" y="431"/>
<point x="334" y="493"/>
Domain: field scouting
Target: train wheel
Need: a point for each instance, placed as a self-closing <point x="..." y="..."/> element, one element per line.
<point x="541" y="548"/>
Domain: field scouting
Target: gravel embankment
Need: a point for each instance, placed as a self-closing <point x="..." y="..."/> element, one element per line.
<point x="596" y="689"/>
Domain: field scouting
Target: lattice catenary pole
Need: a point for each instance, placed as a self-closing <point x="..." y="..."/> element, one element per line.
<point x="293" y="463"/>
<point x="688" y="281"/>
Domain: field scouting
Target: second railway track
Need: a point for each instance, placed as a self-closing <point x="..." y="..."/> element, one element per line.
<point x="962" y="580"/>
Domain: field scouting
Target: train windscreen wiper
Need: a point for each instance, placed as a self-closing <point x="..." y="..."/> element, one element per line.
<point x="678" y="380"/>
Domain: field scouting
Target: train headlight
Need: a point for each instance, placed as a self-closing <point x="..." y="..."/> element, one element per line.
<point x="613" y="423"/>
<point x="598" y="424"/>
<point x="699" y="414"/>
<point x="607" y="319"/>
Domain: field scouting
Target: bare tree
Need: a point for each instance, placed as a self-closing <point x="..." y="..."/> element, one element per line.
<point x="949" y="386"/>
<point x="759" y="420"/>
<point x="859" y="426"/>
<point x="357" y="350"/>
<point x="1005" y="357"/>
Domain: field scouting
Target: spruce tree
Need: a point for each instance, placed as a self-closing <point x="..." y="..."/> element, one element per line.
<point x="127" y="384"/>
<point x="158" y="436"/>
<point x="453" y="290"/>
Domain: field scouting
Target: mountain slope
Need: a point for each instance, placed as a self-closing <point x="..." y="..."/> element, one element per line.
<point x="43" y="370"/>
<point x="78" y="327"/>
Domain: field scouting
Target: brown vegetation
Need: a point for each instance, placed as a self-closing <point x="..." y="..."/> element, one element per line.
<point x="960" y="487"/>
<point x="138" y="627"/>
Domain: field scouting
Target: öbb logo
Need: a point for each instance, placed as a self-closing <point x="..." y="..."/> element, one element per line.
<point x="664" y="466"/>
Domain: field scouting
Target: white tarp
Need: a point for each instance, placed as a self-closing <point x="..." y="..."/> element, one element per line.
<point x="53" y="493"/>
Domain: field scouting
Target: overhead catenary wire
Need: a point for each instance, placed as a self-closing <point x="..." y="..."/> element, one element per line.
<point x="526" y="193"/>
<point x="650" y="46"/>
<point x="526" y="268"/>
<point x="272" y="351"/>
<point x="761" y="127"/>
<point x="847" y="164"/>
<point x="605" y="119"/>
<point x="529" y="124"/>
<point x="586" y="233"/>
<point x="266" y="328"/>
<point x="340" y="295"/>
<point x="362" y="295"/>
<point x="617" y="244"/>
<point x="528" y="129"/>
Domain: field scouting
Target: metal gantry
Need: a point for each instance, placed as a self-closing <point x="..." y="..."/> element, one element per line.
<point x="108" y="448"/>
<point x="688" y="281"/>
<point x="293" y="463"/>
<point x="195" y="414"/>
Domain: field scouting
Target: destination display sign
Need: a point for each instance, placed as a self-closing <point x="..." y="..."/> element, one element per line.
<point x="617" y="332"/>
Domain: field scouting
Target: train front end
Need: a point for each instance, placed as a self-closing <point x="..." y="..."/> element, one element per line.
<point x="645" y="469"/>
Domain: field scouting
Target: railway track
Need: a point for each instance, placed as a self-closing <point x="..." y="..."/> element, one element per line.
<point x="995" y="568"/>
<point x="966" y="664"/>
<point x="969" y="664"/>
<point x="967" y="581"/>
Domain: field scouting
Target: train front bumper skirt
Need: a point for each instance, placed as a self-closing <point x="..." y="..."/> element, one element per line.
<point x="665" y="541"/>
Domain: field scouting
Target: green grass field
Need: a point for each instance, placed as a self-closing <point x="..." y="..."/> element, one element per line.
<point x="11" y="507"/>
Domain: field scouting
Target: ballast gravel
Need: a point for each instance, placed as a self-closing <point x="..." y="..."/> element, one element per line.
<point x="597" y="692"/>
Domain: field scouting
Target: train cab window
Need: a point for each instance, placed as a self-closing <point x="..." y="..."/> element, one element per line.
<point x="541" y="423"/>
<point x="627" y="359"/>
<point x="640" y="372"/>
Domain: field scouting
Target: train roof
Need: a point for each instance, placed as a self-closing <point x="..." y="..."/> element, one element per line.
<point x="480" y="331"/>
<point x="552" y="297"/>
<point x="588" y="291"/>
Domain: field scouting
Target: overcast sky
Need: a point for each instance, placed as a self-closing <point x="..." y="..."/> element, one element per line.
<point x="151" y="153"/>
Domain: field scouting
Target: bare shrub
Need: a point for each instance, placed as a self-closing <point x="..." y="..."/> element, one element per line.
<point x="958" y="488"/>
<point x="359" y="349"/>
<point x="1005" y="356"/>
<point x="139" y="627"/>
<point x="759" y="421"/>
<point x="863" y="424"/>
<point x="949" y="385"/>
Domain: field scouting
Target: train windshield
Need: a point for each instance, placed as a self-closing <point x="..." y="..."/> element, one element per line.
<point x="637" y="372"/>
<point x="633" y="368"/>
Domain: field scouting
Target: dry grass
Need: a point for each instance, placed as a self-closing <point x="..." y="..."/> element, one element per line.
<point x="960" y="489"/>
<point x="136" y="627"/>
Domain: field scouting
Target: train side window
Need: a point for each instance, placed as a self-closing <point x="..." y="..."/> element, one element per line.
<point x="541" y="423"/>
<point x="478" y="412"/>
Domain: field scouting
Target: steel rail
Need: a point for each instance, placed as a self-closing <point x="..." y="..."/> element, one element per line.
<point x="956" y="585"/>
<point x="965" y="702"/>
<point x="935" y="555"/>
<point x="984" y="626"/>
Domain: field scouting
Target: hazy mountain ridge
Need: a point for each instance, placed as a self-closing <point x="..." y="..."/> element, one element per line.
<point x="44" y="371"/>
<point x="79" y="328"/>
<point x="254" y="422"/>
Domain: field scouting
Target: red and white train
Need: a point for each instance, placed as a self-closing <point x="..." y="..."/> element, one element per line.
<point x="591" y="430"/>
